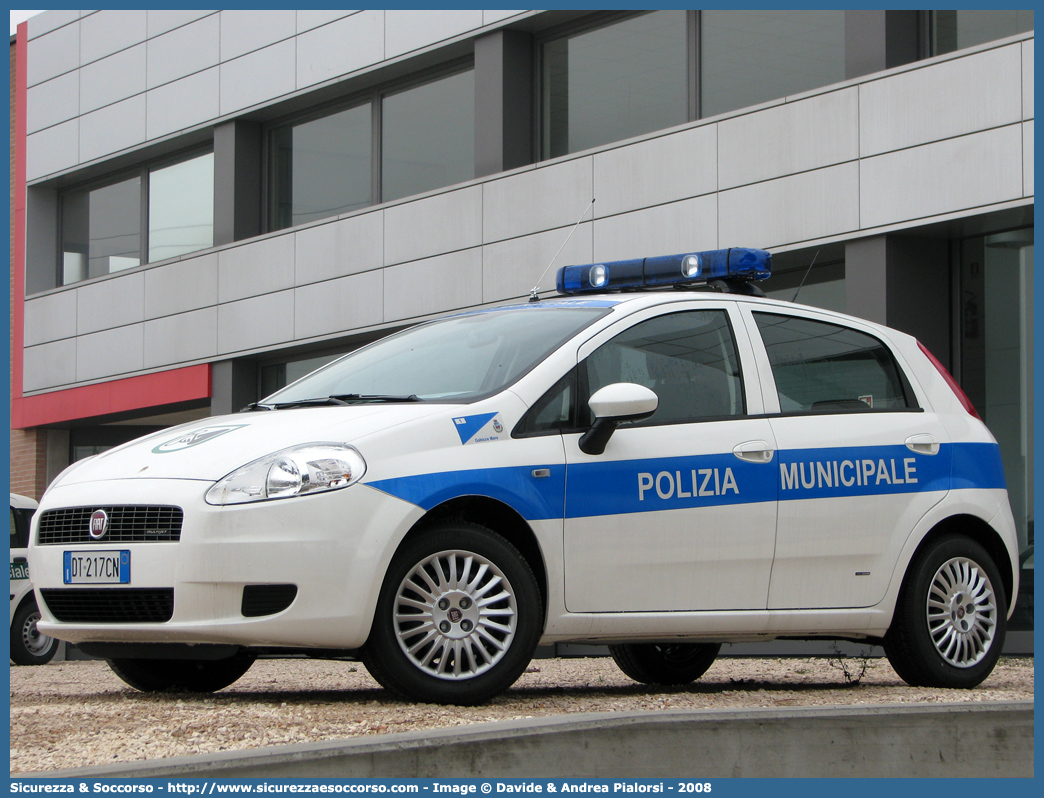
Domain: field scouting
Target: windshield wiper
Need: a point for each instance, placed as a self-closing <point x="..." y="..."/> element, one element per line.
<point x="338" y="400"/>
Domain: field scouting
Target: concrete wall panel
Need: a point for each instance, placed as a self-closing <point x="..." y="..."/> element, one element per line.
<point x="50" y="318"/>
<point x="340" y="305"/>
<point x="112" y="128"/>
<point x="497" y="15"/>
<point x="537" y="199"/>
<point x="106" y="32"/>
<point x="1027" y="79"/>
<point x="110" y="353"/>
<point x="252" y="323"/>
<point x="684" y="226"/>
<point x="181" y="286"/>
<point x="51" y="20"/>
<point x="112" y="79"/>
<point x="110" y="303"/>
<point x="258" y="268"/>
<point x="259" y="76"/>
<point x="511" y="268"/>
<point x="797" y="208"/>
<point x="191" y="101"/>
<point x="162" y="20"/>
<point x="943" y="100"/>
<point x="952" y="175"/>
<point x="340" y="47"/>
<point x="653" y="172"/>
<point x="53" y="102"/>
<point x="53" y="54"/>
<point x="1027" y="159"/>
<point x="181" y="338"/>
<point x="433" y="285"/>
<point x="53" y="149"/>
<point x="49" y="365"/>
<point x="333" y="250"/>
<point x="308" y="20"/>
<point x="407" y="30"/>
<point x="796" y="137"/>
<point x="244" y="32"/>
<point x="184" y="51"/>
<point x="434" y="225"/>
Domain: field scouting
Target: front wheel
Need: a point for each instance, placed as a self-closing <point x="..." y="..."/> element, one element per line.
<point x="458" y="618"/>
<point x="951" y="617"/>
<point x="189" y="675"/>
<point x="28" y="646"/>
<point x="669" y="663"/>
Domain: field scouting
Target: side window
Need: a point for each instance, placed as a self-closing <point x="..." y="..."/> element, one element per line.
<point x="20" y="520"/>
<point x="552" y="412"/>
<point x="687" y="359"/>
<point x="14" y="529"/>
<point x="820" y="367"/>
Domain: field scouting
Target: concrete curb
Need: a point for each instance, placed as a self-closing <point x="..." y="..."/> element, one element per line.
<point x="934" y="740"/>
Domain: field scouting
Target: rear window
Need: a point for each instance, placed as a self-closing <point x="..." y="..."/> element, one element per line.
<point x="826" y="368"/>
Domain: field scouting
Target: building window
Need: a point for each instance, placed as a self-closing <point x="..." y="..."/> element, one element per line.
<point x="750" y="57"/>
<point x="324" y="165"/>
<point x="161" y="212"/>
<point x="321" y="167"/>
<point x="615" y="81"/>
<point x="996" y="354"/>
<point x="955" y="30"/>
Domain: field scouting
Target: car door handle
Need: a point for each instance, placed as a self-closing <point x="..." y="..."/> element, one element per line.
<point x="754" y="451"/>
<point x="922" y="444"/>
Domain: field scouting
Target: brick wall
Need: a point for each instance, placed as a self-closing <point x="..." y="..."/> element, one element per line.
<point x="28" y="447"/>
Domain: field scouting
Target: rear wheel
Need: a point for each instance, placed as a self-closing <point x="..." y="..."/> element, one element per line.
<point x="189" y="675"/>
<point x="458" y="618"/>
<point x="665" y="663"/>
<point x="951" y="616"/>
<point x="28" y="646"/>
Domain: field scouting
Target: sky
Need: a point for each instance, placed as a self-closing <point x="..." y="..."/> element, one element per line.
<point x="20" y="16"/>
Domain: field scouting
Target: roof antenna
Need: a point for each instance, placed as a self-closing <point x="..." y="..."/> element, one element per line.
<point x="533" y="293"/>
<point x="813" y="263"/>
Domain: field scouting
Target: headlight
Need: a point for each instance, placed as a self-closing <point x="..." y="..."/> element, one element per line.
<point x="299" y="470"/>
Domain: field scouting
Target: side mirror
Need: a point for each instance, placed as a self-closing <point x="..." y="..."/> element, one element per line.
<point x="611" y="405"/>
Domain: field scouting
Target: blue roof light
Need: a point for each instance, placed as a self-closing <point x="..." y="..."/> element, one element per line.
<point x="691" y="268"/>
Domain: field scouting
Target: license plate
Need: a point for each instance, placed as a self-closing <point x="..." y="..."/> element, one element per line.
<point x="97" y="567"/>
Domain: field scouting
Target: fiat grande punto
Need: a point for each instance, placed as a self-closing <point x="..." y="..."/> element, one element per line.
<point x="642" y="461"/>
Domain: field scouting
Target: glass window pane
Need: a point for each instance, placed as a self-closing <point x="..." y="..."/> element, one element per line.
<point x="101" y="230"/>
<point x="826" y="368"/>
<point x="749" y="57"/>
<point x="181" y="208"/>
<point x="687" y="359"/>
<point x="954" y="30"/>
<point x="614" y="82"/>
<point x="321" y="168"/>
<point x="428" y="136"/>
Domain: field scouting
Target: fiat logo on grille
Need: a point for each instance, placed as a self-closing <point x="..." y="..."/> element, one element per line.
<point x="99" y="524"/>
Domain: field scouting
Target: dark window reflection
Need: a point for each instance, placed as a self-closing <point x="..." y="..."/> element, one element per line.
<point x="321" y="168"/>
<point x="615" y="82"/>
<point x="101" y="230"/>
<point x="428" y="136"/>
<point x="955" y="30"/>
<point x="750" y="57"/>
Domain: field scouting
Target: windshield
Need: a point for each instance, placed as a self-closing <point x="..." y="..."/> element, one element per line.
<point x="458" y="359"/>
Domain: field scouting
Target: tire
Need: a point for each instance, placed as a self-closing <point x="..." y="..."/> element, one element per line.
<point x="951" y="617"/>
<point x="186" y="675"/>
<point x="656" y="663"/>
<point x="458" y="618"/>
<point x="28" y="646"/>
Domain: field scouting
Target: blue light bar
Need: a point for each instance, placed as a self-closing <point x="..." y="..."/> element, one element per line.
<point x="692" y="268"/>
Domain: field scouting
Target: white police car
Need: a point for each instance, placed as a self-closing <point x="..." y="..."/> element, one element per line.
<point x="662" y="471"/>
<point x="28" y="646"/>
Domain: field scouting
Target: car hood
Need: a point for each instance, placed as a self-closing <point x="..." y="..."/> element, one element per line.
<point x="211" y="448"/>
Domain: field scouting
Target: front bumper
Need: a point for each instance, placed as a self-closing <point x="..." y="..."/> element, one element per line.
<point x="335" y="547"/>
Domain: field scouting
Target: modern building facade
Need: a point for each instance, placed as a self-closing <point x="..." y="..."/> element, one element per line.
<point x="208" y="204"/>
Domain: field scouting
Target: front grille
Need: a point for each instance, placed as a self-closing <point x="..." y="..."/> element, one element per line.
<point x="127" y="524"/>
<point x="261" y="600"/>
<point x="110" y="605"/>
